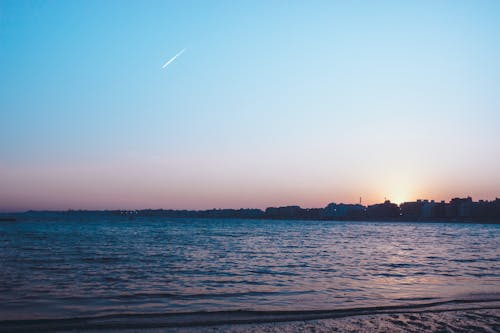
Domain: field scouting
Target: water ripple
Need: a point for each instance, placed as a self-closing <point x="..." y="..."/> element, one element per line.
<point x="77" y="268"/>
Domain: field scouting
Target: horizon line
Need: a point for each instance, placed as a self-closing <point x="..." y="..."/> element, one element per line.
<point x="14" y="211"/>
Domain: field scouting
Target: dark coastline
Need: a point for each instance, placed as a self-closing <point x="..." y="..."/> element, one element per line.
<point x="59" y="215"/>
<point x="56" y="215"/>
<point x="457" y="210"/>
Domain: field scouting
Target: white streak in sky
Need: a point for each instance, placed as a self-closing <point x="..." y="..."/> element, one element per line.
<point x="173" y="58"/>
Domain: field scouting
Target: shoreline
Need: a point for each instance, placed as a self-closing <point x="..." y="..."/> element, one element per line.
<point x="251" y="320"/>
<point x="453" y="321"/>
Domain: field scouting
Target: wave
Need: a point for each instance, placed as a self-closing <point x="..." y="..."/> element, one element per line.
<point x="176" y="296"/>
<point x="185" y="319"/>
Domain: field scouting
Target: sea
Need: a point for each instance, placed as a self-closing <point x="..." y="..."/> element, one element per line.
<point x="58" y="268"/>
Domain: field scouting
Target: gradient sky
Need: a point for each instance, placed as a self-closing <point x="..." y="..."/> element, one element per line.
<point x="273" y="103"/>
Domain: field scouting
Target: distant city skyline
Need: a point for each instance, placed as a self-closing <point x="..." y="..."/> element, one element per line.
<point x="274" y="103"/>
<point x="360" y="203"/>
<point x="456" y="210"/>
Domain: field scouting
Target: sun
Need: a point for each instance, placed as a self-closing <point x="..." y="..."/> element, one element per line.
<point x="399" y="195"/>
<point x="398" y="199"/>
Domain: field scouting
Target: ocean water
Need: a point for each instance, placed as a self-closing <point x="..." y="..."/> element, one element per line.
<point x="87" y="267"/>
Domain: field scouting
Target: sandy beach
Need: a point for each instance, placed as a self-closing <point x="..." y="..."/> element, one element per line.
<point x="450" y="321"/>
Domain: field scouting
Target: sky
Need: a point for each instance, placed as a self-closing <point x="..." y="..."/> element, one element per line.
<point x="272" y="103"/>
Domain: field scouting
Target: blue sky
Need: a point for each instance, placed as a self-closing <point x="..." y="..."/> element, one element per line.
<point x="273" y="102"/>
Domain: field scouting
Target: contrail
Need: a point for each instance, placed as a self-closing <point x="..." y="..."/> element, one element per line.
<point x="173" y="58"/>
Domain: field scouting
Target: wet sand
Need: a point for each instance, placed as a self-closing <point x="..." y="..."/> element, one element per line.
<point x="481" y="321"/>
<point x="487" y="321"/>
